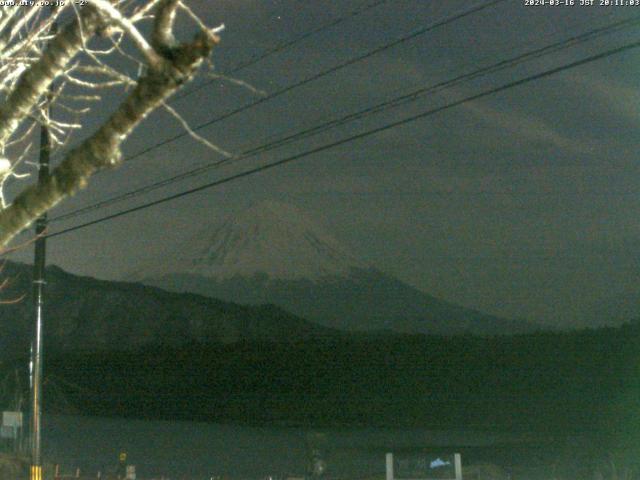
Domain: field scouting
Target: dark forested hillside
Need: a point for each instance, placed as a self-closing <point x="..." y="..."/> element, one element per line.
<point x="87" y="314"/>
<point x="587" y="380"/>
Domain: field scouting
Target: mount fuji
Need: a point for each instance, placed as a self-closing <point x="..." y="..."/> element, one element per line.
<point x="273" y="253"/>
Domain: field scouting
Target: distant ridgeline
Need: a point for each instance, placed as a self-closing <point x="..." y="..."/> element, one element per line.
<point x="579" y="381"/>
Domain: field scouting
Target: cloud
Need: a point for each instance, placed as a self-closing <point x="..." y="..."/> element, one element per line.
<point x="529" y="129"/>
<point x="619" y="98"/>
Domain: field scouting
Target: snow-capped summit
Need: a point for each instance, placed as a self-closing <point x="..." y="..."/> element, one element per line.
<point x="270" y="238"/>
<point x="273" y="253"/>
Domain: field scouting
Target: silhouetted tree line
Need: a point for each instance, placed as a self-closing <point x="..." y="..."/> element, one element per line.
<point x="585" y="380"/>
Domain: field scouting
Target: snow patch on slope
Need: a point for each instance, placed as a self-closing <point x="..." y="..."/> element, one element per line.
<point x="270" y="238"/>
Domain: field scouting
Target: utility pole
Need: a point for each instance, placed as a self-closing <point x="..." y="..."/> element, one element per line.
<point x="38" y="298"/>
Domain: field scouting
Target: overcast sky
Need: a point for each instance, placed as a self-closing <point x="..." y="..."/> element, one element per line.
<point x="524" y="204"/>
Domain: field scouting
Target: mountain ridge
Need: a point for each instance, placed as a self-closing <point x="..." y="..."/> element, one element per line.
<point x="84" y="313"/>
<point x="285" y="258"/>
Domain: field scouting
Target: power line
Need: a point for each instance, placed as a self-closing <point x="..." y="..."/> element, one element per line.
<point x="392" y="103"/>
<point x="278" y="48"/>
<point x="283" y="46"/>
<point x="314" y="77"/>
<point x="324" y="73"/>
<point x="359" y="136"/>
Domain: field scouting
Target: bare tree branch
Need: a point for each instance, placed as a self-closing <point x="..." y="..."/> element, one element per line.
<point x="35" y="81"/>
<point x="169" y="67"/>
